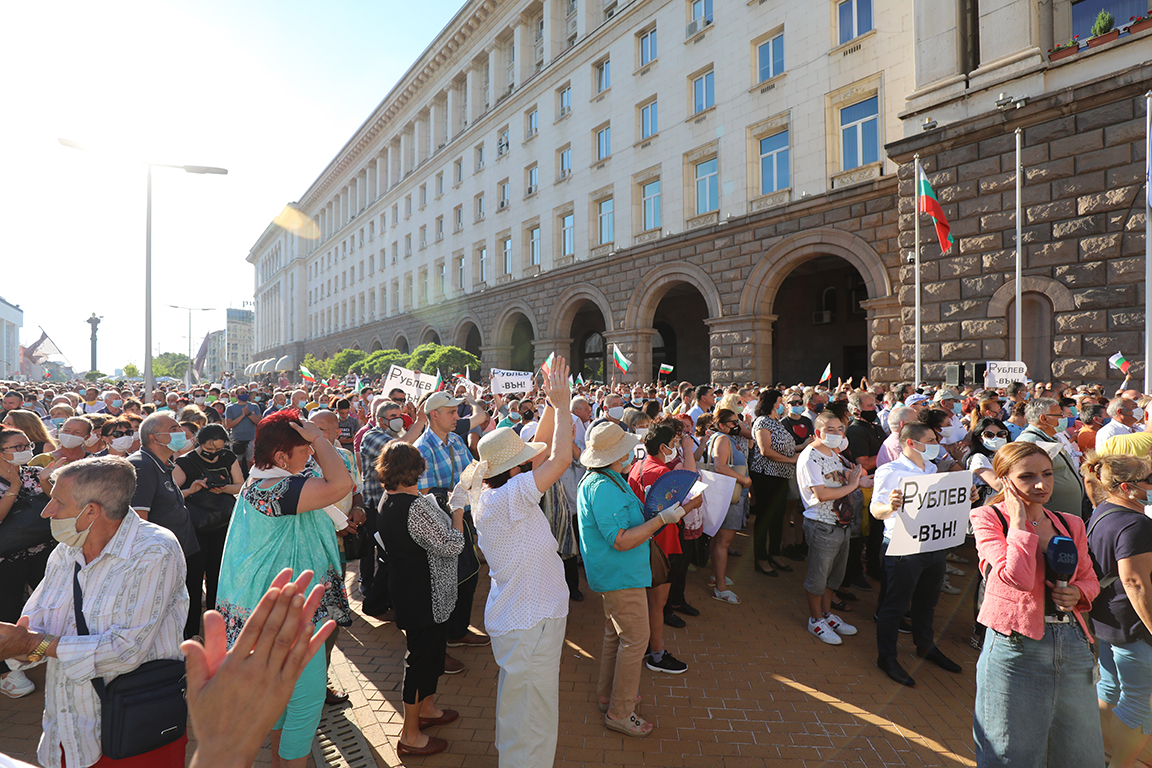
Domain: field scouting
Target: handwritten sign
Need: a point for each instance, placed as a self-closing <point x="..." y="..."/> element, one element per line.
<point x="414" y="384"/>
<point x="510" y="382"/>
<point x="934" y="515"/>
<point x="1001" y="373"/>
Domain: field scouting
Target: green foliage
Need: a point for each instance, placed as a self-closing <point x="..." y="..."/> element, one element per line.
<point x="131" y="371"/>
<point x="451" y="360"/>
<point x="93" y="376"/>
<point x="343" y="360"/>
<point x="170" y="364"/>
<point x="1103" y="24"/>
<point x="419" y="359"/>
<point x="379" y="362"/>
<point x="319" y="368"/>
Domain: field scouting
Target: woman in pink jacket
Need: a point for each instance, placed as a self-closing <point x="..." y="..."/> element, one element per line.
<point x="1035" y="696"/>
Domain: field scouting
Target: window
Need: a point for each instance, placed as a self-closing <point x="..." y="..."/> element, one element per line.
<point x="407" y="246"/>
<point x="603" y="76"/>
<point x="424" y="287"/>
<point x="423" y="195"/>
<point x="482" y="262"/>
<point x="506" y="255"/>
<point x="458" y="171"/>
<point x="479" y="207"/>
<point x="395" y="213"/>
<point x="564" y="100"/>
<point x="860" y="134"/>
<point x="650" y="204"/>
<point x="770" y="58"/>
<point x="395" y="251"/>
<point x="534" y="246"/>
<point x="1084" y="13"/>
<point x="707" y="186"/>
<point x="439" y="183"/>
<point x="568" y="235"/>
<point x="703" y="93"/>
<point x="423" y="237"/>
<point x="503" y="194"/>
<point x="604" y="142"/>
<point x="855" y="19"/>
<point x="531" y="123"/>
<point x="648" y="47"/>
<point x="533" y="179"/>
<point x="502" y="144"/>
<point x="441" y="278"/>
<point x="774" y="163"/>
<point x="439" y="228"/>
<point x="702" y="10"/>
<point x="458" y="218"/>
<point x="565" y="162"/>
<point x="480" y="157"/>
<point x="648" y="122"/>
<point x="371" y="231"/>
<point x="407" y="206"/>
<point x="604" y="220"/>
<point x="460" y="272"/>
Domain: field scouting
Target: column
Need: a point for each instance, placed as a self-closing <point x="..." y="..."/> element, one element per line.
<point x="495" y="357"/>
<point x="420" y="134"/>
<point x="553" y="30"/>
<point x="524" y="38"/>
<point x="884" y="323"/>
<point x="636" y="344"/>
<point x="471" y="88"/>
<point x="405" y="143"/>
<point x="451" y="105"/>
<point x="740" y="348"/>
<point x="495" y="74"/>
<point x="435" y="125"/>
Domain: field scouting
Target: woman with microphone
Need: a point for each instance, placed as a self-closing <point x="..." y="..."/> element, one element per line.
<point x="1034" y="689"/>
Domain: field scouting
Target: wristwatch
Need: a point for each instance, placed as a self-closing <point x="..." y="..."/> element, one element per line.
<point x="37" y="655"/>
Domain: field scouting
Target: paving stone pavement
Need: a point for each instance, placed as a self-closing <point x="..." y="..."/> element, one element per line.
<point x="760" y="691"/>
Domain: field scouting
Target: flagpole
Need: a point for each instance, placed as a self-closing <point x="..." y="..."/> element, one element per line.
<point x="1019" y="245"/>
<point x="916" y="266"/>
<point x="1147" y="242"/>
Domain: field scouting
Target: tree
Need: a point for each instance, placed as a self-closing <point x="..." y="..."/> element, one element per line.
<point x="420" y="355"/>
<point x="93" y="376"/>
<point x="451" y="360"/>
<point x="343" y="360"/>
<point x="319" y="368"/>
<point x="131" y="371"/>
<point x="379" y="362"/>
<point x="170" y="364"/>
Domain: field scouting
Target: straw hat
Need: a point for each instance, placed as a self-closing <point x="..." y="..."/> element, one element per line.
<point x="607" y="443"/>
<point x="500" y="450"/>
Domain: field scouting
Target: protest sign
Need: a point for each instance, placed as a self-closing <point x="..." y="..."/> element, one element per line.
<point x="510" y="382"/>
<point x="934" y="515"/>
<point x="717" y="490"/>
<point x="1001" y="373"/>
<point x="414" y="384"/>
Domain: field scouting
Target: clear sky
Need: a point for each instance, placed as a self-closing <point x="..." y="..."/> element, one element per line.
<point x="268" y="90"/>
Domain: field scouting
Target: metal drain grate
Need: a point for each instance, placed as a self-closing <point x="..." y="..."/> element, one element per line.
<point x="339" y="742"/>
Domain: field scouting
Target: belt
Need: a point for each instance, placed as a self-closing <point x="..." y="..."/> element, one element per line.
<point x="1065" y="618"/>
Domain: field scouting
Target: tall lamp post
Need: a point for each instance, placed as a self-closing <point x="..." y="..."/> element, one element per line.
<point x="190" y="311"/>
<point x="149" y="382"/>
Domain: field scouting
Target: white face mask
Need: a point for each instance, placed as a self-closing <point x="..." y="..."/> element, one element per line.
<point x="396" y="424"/>
<point x="71" y="441"/>
<point x="994" y="443"/>
<point x="199" y="400"/>
<point x="835" y="442"/>
<point x="1138" y="413"/>
<point x="92" y="440"/>
<point x="64" y="531"/>
<point x="675" y="453"/>
<point x="616" y="413"/>
<point x="930" y="452"/>
<point x="122" y="444"/>
<point x="20" y="458"/>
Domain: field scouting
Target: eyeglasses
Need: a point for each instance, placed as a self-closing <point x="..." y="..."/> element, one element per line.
<point x="121" y="433"/>
<point x="795" y="402"/>
<point x="991" y="435"/>
<point x="18" y="448"/>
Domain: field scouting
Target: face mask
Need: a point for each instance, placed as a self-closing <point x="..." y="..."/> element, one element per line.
<point x="122" y="444"/>
<point x="797" y="410"/>
<point x="514" y="415"/>
<point x="1138" y="413"/>
<point x="242" y="398"/>
<point x="71" y="441"/>
<point x="779" y="409"/>
<point x="20" y="458"/>
<point x="637" y="402"/>
<point x="956" y="409"/>
<point x="627" y="463"/>
<point x="1062" y="424"/>
<point x="835" y="442"/>
<point x="233" y="400"/>
<point x="930" y="452"/>
<point x="817" y="409"/>
<point x="869" y="416"/>
<point x="616" y="413"/>
<point x="396" y="424"/>
<point x="994" y="443"/>
<point x="64" y="531"/>
<point x="117" y="403"/>
<point x="210" y="399"/>
<point x="92" y="440"/>
<point x="58" y="421"/>
<point x="177" y="441"/>
<point x="1075" y="412"/>
<point x="668" y="458"/>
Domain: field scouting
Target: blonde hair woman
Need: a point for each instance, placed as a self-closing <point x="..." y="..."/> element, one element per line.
<point x="31" y="425"/>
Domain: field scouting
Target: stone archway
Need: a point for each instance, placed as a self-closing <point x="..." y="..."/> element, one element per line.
<point x="580" y="318"/>
<point x="376" y="345"/>
<point x="400" y="342"/>
<point x="429" y="335"/>
<point x="516" y="331"/>
<point x="467" y="335"/>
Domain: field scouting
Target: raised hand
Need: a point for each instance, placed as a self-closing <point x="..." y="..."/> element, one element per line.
<point x="555" y="384"/>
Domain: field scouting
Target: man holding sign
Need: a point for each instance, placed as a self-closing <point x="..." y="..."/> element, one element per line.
<point x="913" y="572"/>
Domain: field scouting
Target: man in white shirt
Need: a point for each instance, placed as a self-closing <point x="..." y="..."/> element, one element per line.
<point x="1125" y="415"/>
<point x="909" y="580"/>
<point x="705" y="400"/>
<point x="131" y="575"/>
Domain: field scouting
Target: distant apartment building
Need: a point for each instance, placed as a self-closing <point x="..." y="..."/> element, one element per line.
<point x="239" y="339"/>
<point x="11" y="321"/>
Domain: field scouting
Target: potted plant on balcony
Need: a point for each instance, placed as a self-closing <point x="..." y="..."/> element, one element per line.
<point x="1103" y="30"/>
<point x="1064" y="50"/>
<point x="1139" y="23"/>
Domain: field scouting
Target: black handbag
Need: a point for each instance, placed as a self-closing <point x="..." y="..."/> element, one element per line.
<point x="23" y="527"/>
<point x="210" y="511"/>
<point x="141" y="710"/>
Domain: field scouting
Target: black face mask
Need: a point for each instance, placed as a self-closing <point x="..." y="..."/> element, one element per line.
<point x="734" y="429"/>
<point x="528" y="415"/>
<point x="869" y="416"/>
<point x="210" y="455"/>
<point x="816" y="409"/>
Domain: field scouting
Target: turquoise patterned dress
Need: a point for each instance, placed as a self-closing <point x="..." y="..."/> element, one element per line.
<point x="268" y="534"/>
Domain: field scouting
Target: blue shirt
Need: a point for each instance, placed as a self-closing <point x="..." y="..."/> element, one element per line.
<point x="445" y="460"/>
<point x="605" y="506"/>
<point x="244" y="429"/>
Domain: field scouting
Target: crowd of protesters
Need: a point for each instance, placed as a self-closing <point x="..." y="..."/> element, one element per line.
<point x="161" y="502"/>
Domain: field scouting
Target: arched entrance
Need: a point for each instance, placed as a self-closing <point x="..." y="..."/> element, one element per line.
<point x="1038" y="332"/>
<point x="522" y="337"/>
<point x="466" y="335"/>
<point x="588" y="347"/>
<point x="820" y="320"/>
<point x="401" y="343"/>
<point x="681" y="337"/>
<point x="376" y="346"/>
<point x="430" y="336"/>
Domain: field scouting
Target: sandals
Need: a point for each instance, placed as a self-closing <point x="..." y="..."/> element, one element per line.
<point x="604" y="707"/>
<point x="633" y="725"/>
<point x="333" y="696"/>
<point x="727" y="581"/>
<point x="727" y="596"/>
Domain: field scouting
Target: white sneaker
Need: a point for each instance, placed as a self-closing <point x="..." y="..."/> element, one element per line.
<point x="838" y="626"/>
<point x="948" y="589"/>
<point x="952" y="570"/>
<point x="16" y="684"/>
<point x="821" y="630"/>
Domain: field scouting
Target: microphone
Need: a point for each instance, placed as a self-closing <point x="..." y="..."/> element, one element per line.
<point x="1062" y="558"/>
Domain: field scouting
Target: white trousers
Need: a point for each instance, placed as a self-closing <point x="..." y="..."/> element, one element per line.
<point x="528" y="694"/>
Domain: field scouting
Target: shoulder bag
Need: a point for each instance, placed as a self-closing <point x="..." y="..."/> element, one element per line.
<point x="141" y="710"/>
<point x="23" y="527"/>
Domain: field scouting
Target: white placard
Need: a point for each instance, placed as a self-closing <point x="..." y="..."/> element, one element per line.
<point x="414" y="384"/>
<point x="510" y="382"/>
<point x="717" y="490"/>
<point x="1001" y="373"/>
<point x="934" y="515"/>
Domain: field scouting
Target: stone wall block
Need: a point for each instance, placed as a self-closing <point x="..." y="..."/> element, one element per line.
<point x="1124" y="319"/>
<point x="1109" y="114"/>
<point x="997" y="145"/>
<point x="1049" y="130"/>
<point x="1093" y="249"/>
<point x="997" y="182"/>
<point x="984" y="329"/>
<point x="929" y="352"/>
<point x="1108" y="200"/>
<point x="1054" y="211"/>
<point x="960" y="266"/>
<point x="963" y="191"/>
<point x="1110" y="157"/>
<point x="1095" y="321"/>
<point x="1077" y="144"/>
<point x="978" y="169"/>
<point x="984" y="285"/>
<point x="960" y="350"/>
<point x="1085" y="225"/>
<point x="1108" y="344"/>
<point x="970" y="309"/>
<point x="1081" y="275"/>
<point x="1078" y="369"/>
<point x="980" y="243"/>
<point x="1132" y="245"/>
<point x="1084" y="184"/>
<point x="957" y="156"/>
<point x="1048" y="254"/>
<point x="993" y="221"/>
<point x="1113" y="297"/>
<point x="999" y="260"/>
<point x="1066" y="346"/>
<point x="879" y="359"/>
<point x="1049" y="171"/>
<point x="939" y="332"/>
<point x="994" y="349"/>
<point x="941" y="290"/>
<point x="889" y="342"/>
<point x="1125" y="270"/>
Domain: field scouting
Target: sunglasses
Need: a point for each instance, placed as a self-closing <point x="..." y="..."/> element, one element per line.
<point x="795" y="402"/>
<point x="120" y="433"/>
<point x="994" y="434"/>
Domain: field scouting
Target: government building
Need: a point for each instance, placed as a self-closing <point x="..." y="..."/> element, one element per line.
<point x="727" y="187"/>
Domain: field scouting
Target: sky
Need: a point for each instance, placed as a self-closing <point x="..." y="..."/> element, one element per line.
<point x="269" y="90"/>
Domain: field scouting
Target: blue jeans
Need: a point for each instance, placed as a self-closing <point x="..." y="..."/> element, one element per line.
<point x="1126" y="682"/>
<point x="910" y="581"/>
<point x="1035" y="702"/>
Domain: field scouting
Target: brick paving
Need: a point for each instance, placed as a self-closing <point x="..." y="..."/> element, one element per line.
<point x="760" y="691"/>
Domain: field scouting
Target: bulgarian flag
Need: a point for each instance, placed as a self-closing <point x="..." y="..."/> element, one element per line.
<point x="439" y="381"/>
<point x="548" y="363"/>
<point x="307" y="375"/>
<point x="926" y="202"/>
<point x="580" y="378"/>
<point x="665" y="368"/>
<point x="359" y="384"/>
<point x="1118" y="362"/>
<point x="827" y="375"/>
<point x="622" y="363"/>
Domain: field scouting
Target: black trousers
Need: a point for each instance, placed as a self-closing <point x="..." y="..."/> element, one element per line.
<point x="912" y="581"/>
<point x="424" y="661"/>
<point x="195" y="584"/>
<point x="457" y="624"/>
<point x="17" y="579"/>
<point x="240" y="448"/>
<point x="771" y="504"/>
<point x="212" y="549"/>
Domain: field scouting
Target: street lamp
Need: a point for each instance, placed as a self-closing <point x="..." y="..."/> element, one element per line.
<point x="190" y="311"/>
<point x="149" y="383"/>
